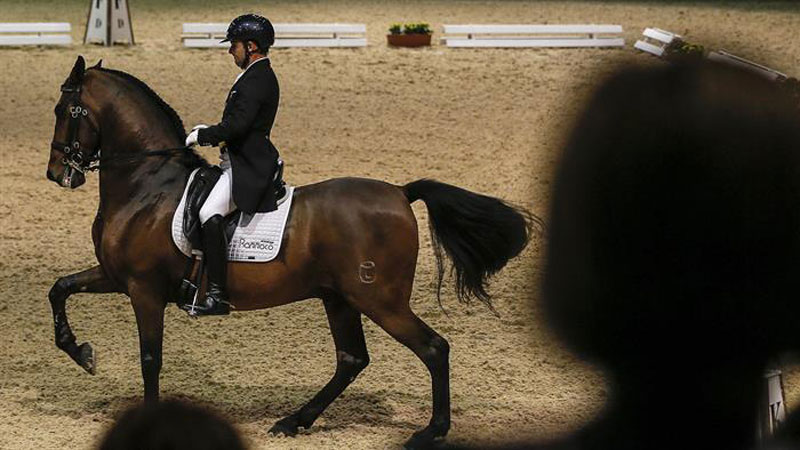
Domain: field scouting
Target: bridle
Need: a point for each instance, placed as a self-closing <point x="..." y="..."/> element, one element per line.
<point x="74" y="157"/>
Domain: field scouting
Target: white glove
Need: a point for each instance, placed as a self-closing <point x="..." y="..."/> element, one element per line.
<point x="191" y="139"/>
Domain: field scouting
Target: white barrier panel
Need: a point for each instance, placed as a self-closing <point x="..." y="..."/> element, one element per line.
<point x="516" y="36"/>
<point x="655" y="41"/>
<point x="206" y="35"/>
<point x="35" y="33"/>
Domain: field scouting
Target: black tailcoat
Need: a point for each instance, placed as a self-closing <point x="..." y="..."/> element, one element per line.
<point x="245" y="128"/>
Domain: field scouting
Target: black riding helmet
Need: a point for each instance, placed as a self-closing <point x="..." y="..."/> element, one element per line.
<point x="251" y="27"/>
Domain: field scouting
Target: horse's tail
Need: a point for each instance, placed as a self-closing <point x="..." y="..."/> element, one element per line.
<point x="479" y="234"/>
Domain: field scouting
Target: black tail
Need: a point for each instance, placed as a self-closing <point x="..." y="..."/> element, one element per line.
<point x="479" y="234"/>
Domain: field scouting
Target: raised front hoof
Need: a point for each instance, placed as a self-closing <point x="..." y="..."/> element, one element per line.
<point x="86" y="358"/>
<point x="429" y="437"/>
<point x="285" y="427"/>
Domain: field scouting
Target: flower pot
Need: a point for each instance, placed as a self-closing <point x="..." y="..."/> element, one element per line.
<point x="409" y="40"/>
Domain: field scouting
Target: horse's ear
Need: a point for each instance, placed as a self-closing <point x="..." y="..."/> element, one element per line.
<point x="98" y="65"/>
<point x="76" y="76"/>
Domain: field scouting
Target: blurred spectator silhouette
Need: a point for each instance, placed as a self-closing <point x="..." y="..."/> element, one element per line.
<point x="171" y="425"/>
<point x="673" y="259"/>
<point x="674" y="254"/>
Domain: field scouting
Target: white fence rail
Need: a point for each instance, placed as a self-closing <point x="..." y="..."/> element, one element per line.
<point x="208" y="35"/>
<point x="657" y="40"/>
<point x="764" y="71"/>
<point x="533" y="36"/>
<point x="29" y="33"/>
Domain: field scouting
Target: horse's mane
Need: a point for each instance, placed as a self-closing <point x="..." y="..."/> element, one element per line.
<point x="191" y="157"/>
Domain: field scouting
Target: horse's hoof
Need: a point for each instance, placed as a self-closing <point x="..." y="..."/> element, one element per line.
<point x="424" y="439"/>
<point x="284" y="427"/>
<point x="86" y="358"/>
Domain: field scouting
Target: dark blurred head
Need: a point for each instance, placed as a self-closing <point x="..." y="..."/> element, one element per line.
<point x="675" y="221"/>
<point x="171" y="425"/>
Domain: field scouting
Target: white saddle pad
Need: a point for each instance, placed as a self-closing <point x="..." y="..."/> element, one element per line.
<point x="257" y="240"/>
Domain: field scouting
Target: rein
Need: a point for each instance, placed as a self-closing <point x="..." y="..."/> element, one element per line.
<point x="102" y="161"/>
<point x="74" y="157"/>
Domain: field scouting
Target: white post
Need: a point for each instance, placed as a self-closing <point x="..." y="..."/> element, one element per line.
<point x="109" y="23"/>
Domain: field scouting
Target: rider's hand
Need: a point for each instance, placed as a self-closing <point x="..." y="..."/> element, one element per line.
<point x="191" y="140"/>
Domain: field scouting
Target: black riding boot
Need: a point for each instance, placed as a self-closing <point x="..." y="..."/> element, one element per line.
<point x="215" y="253"/>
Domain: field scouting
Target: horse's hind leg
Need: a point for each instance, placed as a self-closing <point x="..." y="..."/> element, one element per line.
<point x="92" y="280"/>
<point x="351" y="359"/>
<point x="402" y="324"/>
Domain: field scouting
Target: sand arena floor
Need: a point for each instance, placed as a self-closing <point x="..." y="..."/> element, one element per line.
<point x="486" y="120"/>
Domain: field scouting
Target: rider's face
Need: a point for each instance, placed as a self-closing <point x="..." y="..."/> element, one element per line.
<point x="237" y="50"/>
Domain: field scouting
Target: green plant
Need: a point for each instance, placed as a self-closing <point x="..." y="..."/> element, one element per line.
<point x="417" y="28"/>
<point x="679" y="48"/>
<point x="410" y="28"/>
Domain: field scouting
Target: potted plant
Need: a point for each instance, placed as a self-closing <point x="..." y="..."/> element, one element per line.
<point x="409" y="35"/>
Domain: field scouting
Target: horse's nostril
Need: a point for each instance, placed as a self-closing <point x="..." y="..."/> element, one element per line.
<point x="50" y="175"/>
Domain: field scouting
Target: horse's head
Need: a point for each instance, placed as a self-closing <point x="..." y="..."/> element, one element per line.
<point x="76" y="138"/>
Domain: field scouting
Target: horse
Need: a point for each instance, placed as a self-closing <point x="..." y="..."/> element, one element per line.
<point x="334" y="227"/>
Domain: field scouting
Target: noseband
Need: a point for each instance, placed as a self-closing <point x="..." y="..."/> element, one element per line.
<point x="74" y="158"/>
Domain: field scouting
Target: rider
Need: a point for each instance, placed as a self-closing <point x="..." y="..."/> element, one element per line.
<point x="245" y="148"/>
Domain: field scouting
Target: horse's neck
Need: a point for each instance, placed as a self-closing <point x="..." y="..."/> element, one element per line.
<point x="129" y="127"/>
<point x="131" y="124"/>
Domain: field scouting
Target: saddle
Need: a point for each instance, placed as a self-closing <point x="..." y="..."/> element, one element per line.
<point x="199" y="190"/>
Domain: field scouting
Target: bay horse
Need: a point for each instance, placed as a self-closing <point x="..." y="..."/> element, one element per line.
<point x="334" y="227"/>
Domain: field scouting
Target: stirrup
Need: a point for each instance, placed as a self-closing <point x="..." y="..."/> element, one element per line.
<point x="219" y="308"/>
<point x="215" y="308"/>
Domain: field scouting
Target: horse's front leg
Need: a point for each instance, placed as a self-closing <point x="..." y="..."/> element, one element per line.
<point x="148" y="304"/>
<point x="92" y="280"/>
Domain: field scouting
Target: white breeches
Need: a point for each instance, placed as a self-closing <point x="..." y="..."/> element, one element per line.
<point x="220" y="200"/>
